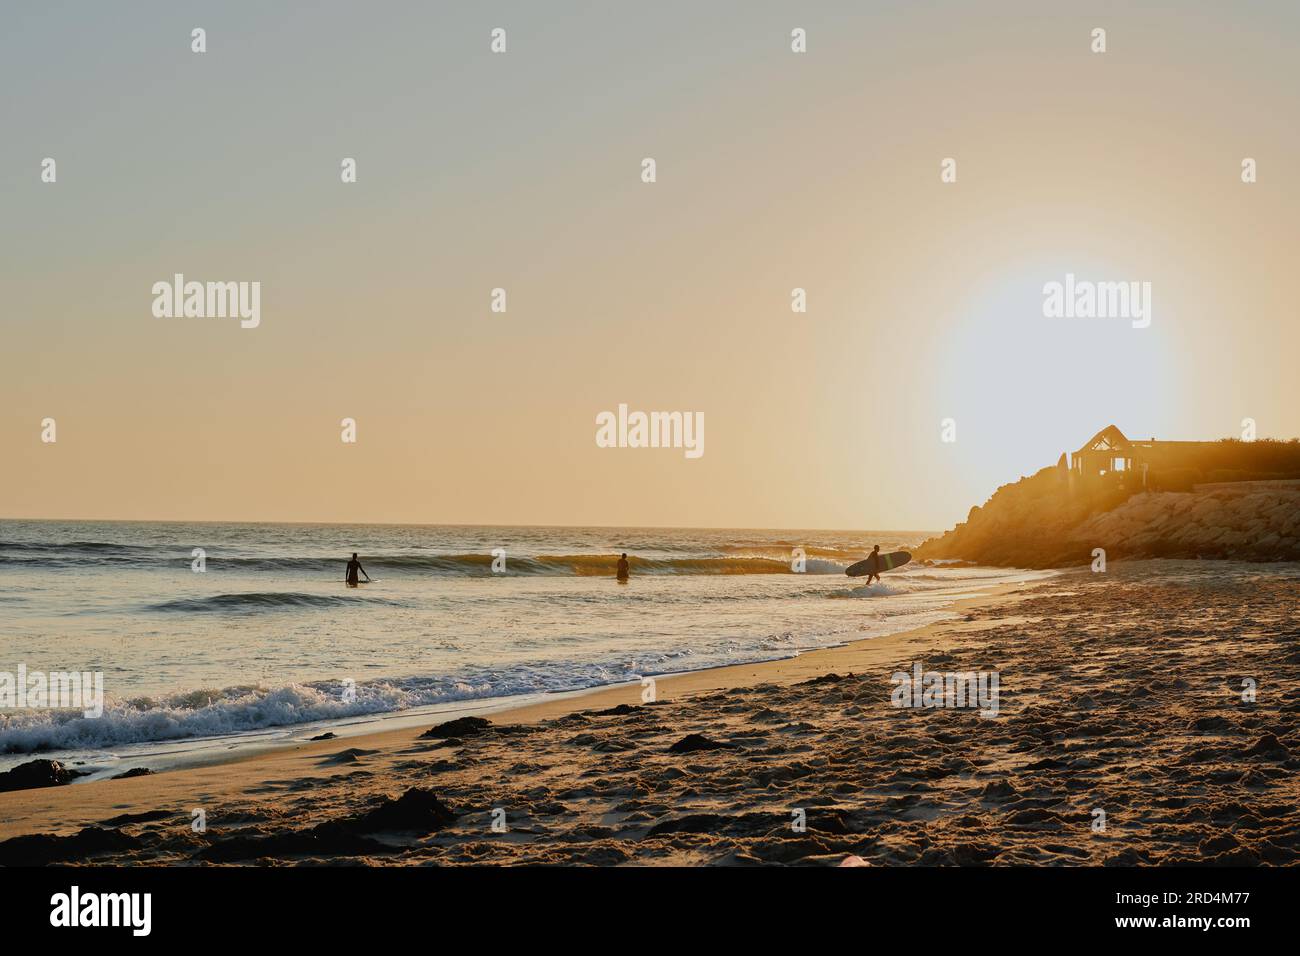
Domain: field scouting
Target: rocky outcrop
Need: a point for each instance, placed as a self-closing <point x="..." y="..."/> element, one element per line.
<point x="1240" y="522"/>
<point x="461" y="727"/>
<point x="1046" y="520"/>
<point x="1026" y="524"/>
<point x="37" y="773"/>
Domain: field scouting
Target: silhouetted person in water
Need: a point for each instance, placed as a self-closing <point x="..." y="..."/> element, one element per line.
<point x="353" y="567"/>
<point x="623" y="567"/>
<point x="875" y="565"/>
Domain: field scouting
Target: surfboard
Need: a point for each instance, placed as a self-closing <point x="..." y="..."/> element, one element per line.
<point x="895" y="559"/>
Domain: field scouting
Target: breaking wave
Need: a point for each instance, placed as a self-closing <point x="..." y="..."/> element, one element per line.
<point x="245" y="708"/>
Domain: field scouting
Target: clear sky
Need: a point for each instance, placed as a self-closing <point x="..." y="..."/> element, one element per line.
<point x="522" y="170"/>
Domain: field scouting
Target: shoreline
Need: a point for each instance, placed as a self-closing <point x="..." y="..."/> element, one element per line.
<point x="69" y="807"/>
<point x="1145" y="716"/>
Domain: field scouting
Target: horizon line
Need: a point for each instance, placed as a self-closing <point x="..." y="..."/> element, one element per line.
<point x="459" y="524"/>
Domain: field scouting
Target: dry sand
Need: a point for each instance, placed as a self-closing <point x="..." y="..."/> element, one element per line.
<point x="1119" y="692"/>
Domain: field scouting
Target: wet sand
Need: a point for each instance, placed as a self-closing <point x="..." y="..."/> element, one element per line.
<point x="1120" y="693"/>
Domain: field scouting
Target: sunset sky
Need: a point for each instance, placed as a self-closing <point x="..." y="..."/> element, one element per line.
<point x="776" y="170"/>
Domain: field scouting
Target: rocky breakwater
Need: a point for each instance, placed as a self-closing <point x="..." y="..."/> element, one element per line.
<point x="1242" y="521"/>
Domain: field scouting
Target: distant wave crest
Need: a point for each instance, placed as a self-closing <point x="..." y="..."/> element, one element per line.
<point x="742" y="561"/>
<point x="259" y="601"/>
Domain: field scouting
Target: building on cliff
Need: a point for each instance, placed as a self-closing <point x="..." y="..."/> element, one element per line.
<point x="1105" y="454"/>
<point x="1110" y="458"/>
<point x="1109" y="455"/>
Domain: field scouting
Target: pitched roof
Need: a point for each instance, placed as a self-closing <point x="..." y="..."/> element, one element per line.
<point x="1109" y="438"/>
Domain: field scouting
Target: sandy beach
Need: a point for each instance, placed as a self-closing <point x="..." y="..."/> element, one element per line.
<point x="1122" y="737"/>
<point x="450" y="450"/>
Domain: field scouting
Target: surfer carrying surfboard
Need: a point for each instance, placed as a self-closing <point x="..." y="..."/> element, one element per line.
<point x="873" y="569"/>
<point x="874" y="563"/>
<point x="351" y="574"/>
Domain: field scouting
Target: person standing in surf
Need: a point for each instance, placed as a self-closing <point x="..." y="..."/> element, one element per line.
<point x="623" y="568"/>
<point x="354" y="566"/>
<point x="874" y="558"/>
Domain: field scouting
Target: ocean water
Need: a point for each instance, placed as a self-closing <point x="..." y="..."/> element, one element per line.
<point x="268" y="644"/>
